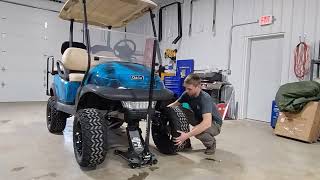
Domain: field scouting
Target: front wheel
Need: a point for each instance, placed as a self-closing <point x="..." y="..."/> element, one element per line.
<point x="89" y="138"/>
<point x="164" y="130"/>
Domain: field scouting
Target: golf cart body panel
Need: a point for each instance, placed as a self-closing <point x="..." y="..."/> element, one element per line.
<point x="105" y="13"/>
<point x="65" y="90"/>
<point x="126" y="94"/>
<point x="115" y="81"/>
<point x="122" y="75"/>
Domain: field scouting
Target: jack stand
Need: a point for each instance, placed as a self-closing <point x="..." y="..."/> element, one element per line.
<point x="137" y="155"/>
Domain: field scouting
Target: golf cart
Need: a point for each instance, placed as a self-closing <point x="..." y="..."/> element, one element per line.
<point x="107" y="84"/>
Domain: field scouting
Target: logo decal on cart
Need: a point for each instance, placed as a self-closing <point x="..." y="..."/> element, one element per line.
<point x="137" y="77"/>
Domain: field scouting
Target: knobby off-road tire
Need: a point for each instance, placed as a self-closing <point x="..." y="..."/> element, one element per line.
<point x="89" y="138"/>
<point x="56" y="120"/>
<point x="173" y="119"/>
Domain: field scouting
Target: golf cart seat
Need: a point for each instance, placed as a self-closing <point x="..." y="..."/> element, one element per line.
<point x="65" y="45"/>
<point x="73" y="64"/>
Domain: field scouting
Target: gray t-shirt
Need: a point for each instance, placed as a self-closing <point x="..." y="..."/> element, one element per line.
<point x="200" y="105"/>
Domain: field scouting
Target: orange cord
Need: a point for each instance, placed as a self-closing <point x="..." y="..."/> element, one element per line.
<point x="301" y="60"/>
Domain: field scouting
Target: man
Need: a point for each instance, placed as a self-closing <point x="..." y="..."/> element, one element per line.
<point x="207" y="121"/>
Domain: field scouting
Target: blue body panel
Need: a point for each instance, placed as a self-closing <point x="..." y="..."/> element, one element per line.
<point x="65" y="91"/>
<point x="118" y="75"/>
<point x="122" y="75"/>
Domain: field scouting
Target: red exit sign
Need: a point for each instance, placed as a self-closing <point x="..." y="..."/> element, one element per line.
<point x="265" y="20"/>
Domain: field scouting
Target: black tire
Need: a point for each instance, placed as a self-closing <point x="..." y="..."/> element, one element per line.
<point x="56" y="120"/>
<point x="89" y="138"/>
<point x="172" y="119"/>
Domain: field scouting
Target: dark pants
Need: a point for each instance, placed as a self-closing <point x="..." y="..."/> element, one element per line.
<point x="208" y="136"/>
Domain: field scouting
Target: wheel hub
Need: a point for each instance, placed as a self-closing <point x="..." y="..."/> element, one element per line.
<point x="78" y="140"/>
<point x="49" y="116"/>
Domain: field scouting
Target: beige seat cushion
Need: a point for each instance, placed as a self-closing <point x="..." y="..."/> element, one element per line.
<point x="77" y="59"/>
<point x="77" y="77"/>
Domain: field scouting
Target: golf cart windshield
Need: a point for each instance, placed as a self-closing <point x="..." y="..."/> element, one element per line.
<point x="104" y="13"/>
<point x="109" y="45"/>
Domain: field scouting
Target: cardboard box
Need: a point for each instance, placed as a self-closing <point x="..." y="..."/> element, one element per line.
<point x="304" y="126"/>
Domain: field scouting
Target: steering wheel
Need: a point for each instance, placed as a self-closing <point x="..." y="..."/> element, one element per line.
<point x="125" y="49"/>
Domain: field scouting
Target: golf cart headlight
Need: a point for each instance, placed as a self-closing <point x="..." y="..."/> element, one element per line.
<point x="137" y="104"/>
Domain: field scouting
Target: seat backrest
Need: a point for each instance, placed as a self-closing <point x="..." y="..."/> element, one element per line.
<point x="65" y="45"/>
<point x="75" y="59"/>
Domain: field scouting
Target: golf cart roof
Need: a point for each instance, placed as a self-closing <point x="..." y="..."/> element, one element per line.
<point x="104" y="13"/>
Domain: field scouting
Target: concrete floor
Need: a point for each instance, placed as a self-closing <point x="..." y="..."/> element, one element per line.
<point x="245" y="150"/>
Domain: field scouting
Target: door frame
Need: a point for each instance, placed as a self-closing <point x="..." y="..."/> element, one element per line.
<point x="246" y="67"/>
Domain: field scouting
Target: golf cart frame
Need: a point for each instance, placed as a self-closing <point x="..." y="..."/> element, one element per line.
<point x="138" y="153"/>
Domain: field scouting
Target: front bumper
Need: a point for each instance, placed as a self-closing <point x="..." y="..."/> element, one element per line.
<point x="135" y="114"/>
<point x="127" y="94"/>
<point x="141" y="114"/>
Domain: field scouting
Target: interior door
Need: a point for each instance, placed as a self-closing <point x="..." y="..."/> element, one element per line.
<point x="264" y="77"/>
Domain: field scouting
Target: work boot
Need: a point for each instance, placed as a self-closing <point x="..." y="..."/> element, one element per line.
<point x="210" y="150"/>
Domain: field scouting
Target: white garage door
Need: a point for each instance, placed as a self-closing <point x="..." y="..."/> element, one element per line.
<point x="26" y="38"/>
<point x="264" y="77"/>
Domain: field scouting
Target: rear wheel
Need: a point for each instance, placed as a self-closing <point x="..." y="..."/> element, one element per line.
<point x="89" y="138"/>
<point x="173" y="119"/>
<point x="56" y="120"/>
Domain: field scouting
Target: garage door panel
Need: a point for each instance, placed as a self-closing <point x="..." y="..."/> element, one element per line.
<point x="22" y="88"/>
<point x="23" y="46"/>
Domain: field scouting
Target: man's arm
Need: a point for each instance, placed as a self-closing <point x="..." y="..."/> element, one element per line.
<point x="204" y="125"/>
<point x="178" y="102"/>
<point x="174" y="104"/>
<point x="206" y="111"/>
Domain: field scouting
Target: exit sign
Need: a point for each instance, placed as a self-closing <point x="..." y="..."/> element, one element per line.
<point x="265" y="20"/>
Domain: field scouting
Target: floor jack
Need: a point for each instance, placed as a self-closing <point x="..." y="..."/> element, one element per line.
<point x="138" y="154"/>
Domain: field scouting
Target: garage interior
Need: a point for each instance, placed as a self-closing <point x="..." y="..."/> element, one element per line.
<point x="245" y="52"/>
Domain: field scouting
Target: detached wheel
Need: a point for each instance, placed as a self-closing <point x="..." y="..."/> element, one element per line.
<point x="165" y="130"/>
<point x="89" y="138"/>
<point x="56" y="120"/>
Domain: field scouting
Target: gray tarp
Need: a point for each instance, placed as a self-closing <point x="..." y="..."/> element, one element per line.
<point x="292" y="97"/>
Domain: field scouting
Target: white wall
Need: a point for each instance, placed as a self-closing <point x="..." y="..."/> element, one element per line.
<point x="293" y="18"/>
<point x="25" y="43"/>
<point x="206" y="47"/>
<point x="40" y="3"/>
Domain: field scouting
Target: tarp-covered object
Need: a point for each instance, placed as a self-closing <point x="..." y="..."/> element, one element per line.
<point x="292" y="97"/>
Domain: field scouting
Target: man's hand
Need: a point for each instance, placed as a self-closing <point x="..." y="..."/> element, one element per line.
<point x="204" y="125"/>
<point x="183" y="137"/>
